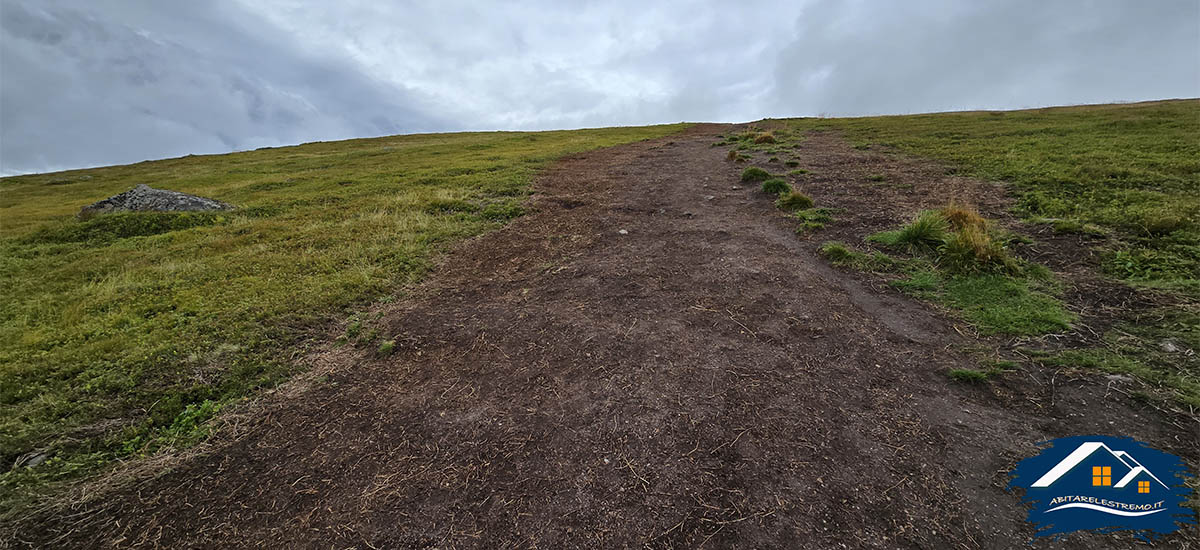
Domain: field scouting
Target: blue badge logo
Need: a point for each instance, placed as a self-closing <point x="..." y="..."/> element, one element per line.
<point x="1104" y="483"/>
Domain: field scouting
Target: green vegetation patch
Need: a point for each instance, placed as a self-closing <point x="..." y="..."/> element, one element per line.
<point x="998" y="296"/>
<point x="1005" y="305"/>
<point x="813" y="219"/>
<point x="926" y="232"/>
<point x="793" y="201"/>
<point x="754" y="173"/>
<point x="776" y="186"/>
<point x="963" y="264"/>
<point x="970" y="376"/>
<point x="1128" y="171"/>
<point x="842" y="255"/>
<point x="125" y="332"/>
<point x="1127" y="176"/>
<point x="1159" y="349"/>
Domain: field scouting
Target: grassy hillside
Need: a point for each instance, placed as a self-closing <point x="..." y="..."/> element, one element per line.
<point x="1132" y="171"/>
<point x="1128" y="176"/>
<point x="123" y="333"/>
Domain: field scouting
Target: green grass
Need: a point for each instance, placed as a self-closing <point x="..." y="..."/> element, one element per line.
<point x="1131" y="361"/>
<point x="124" y="333"/>
<point x="962" y="264"/>
<point x="754" y="173"/>
<point x="793" y="201"/>
<point x="1000" y="304"/>
<point x="993" y="303"/>
<point x="993" y="369"/>
<point x="813" y="219"/>
<point x="1022" y="304"/>
<point x="927" y="231"/>
<point x="1127" y="176"/>
<point x="969" y="376"/>
<point x="776" y="186"/>
<point x="1130" y="170"/>
<point x="842" y="255"/>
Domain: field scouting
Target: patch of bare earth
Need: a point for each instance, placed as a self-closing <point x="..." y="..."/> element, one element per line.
<point x="700" y="379"/>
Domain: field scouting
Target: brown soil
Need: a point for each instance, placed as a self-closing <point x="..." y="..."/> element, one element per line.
<point x="702" y="380"/>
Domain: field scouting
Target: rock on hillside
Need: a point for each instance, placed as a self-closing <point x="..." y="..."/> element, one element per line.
<point x="146" y="198"/>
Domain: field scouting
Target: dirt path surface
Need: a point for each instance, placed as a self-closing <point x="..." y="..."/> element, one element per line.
<point x="653" y="359"/>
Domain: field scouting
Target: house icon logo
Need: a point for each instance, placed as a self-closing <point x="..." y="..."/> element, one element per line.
<point x="1103" y="483"/>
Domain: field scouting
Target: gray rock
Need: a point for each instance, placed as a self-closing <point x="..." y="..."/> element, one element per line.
<point x="144" y="198"/>
<point x="1169" y="346"/>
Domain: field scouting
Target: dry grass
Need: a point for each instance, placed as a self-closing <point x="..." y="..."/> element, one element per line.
<point x="971" y="248"/>
<point x="765" y="137"/>
<point x="961" y="216"/>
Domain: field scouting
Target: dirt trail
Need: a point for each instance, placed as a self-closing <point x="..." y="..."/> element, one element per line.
<point x="700" y="379"/>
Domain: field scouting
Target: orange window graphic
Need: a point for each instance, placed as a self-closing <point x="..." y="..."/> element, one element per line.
<point x="1143" y="486"/>
<point x="1102" y="477"/>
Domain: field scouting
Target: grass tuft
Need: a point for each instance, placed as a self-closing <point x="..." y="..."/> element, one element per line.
<point x="841" y="255"/>
<point x="972" y="250"/>
<point x="969" y="376"/>
<point x="754" y="173"/>
<point x="776" y="186"/>
<point x="765" y="137"/>
<point x="960" y="216"/>
<point x="926" y="232"/>
<point x="793" y="201"/>
<point x="838" y="253"/>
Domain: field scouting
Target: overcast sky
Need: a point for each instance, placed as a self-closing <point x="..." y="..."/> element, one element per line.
<point x="96" y="82"/>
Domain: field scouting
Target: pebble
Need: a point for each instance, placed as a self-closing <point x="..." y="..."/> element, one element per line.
<point x="623" y="232"/>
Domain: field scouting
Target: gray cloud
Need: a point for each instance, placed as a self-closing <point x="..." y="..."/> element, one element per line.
<point x="81" y="86"/>
<point x="89" y="83"/>
<point x="868" y="58"/>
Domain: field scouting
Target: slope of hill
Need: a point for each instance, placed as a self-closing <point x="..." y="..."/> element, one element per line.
<point x="658" y="353"/>
<point x="1105" y="192"/>
<point x="123" y="333"/>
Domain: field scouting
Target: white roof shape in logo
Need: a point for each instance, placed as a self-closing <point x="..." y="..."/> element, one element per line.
<point x="1085" y="450"/>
